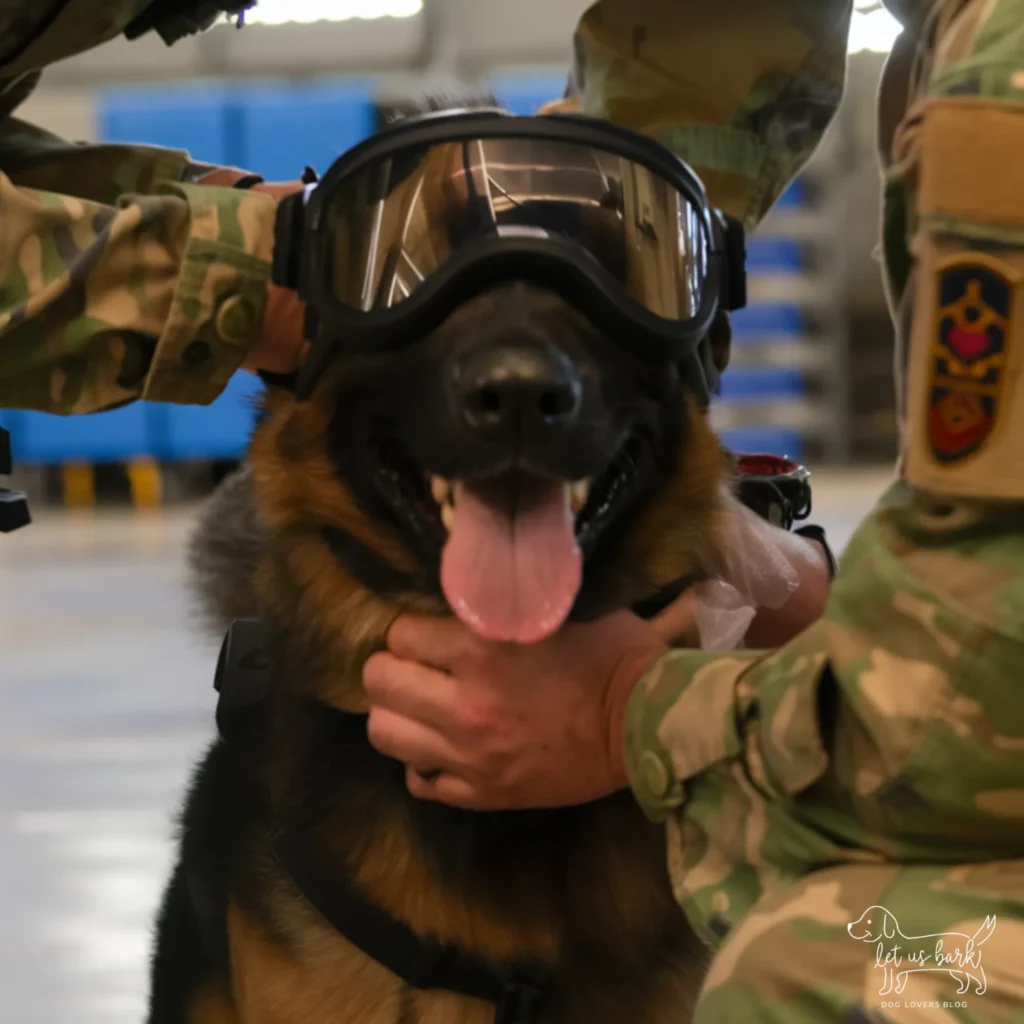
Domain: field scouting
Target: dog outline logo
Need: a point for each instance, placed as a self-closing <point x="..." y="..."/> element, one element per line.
<point x="954" y="953"/>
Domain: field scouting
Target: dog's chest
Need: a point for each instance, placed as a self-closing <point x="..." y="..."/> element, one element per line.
<point x="328" y="981"/>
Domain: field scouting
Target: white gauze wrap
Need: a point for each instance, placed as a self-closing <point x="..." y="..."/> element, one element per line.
<point x="753" y="572"/>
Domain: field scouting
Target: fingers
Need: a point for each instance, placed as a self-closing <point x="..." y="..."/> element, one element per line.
<point x="445" y="788"/>
<point x="436" y="642"/>
<point x="420" y="747"/>
<point x="411" y="689"/>
<point x="566" y="105"/>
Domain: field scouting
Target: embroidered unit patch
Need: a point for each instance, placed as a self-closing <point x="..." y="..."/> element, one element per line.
<point x="972" y="327"/>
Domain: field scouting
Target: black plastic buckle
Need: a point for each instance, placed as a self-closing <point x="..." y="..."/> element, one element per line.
<point x="286" y="260"/>
<point x="736" y="263"/>
<point x="14" y="513"/>
<point x="243" y="672"/>
<point x="521" y="1003"/>
<point x="776" y="488"/>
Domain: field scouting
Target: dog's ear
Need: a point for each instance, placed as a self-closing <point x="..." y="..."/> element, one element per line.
<point x="720" y="339"/>
<point x="889" y="928"/>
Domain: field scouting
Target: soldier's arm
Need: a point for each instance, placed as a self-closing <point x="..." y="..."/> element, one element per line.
<point x="121" y="277"/>
<point x="955" y="255"/>
<point x="889" y="726"/>
<point x="742" y="90"/>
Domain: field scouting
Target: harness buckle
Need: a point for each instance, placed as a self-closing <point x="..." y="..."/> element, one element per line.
<point x="242" y="678"/>
<point x="520" y="1004"/>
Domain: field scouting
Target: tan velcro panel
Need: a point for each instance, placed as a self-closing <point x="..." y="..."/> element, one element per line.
<point x="965" y="375"/>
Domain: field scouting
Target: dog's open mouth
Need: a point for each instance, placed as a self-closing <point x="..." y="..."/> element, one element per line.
<point x="513" y="544"/>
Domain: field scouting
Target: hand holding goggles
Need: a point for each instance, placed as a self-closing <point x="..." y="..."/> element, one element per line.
<point x="432" y="210"/>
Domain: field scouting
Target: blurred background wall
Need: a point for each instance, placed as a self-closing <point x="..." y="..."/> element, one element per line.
<point x="306" y="79"/>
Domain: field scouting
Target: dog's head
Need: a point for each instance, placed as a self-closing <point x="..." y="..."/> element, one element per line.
<point x="517" y="465"/>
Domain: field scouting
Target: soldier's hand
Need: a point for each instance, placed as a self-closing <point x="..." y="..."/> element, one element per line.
<point x="492" y="726"/>
<point x="772" y="627"/>
<point x="281" y="347"/>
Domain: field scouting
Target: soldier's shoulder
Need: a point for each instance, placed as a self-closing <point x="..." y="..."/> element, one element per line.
<point x="21" y="22"/>
<point x="37" y="33"/>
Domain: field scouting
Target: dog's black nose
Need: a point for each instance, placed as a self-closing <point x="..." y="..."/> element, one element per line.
<point x="515" y="389"/>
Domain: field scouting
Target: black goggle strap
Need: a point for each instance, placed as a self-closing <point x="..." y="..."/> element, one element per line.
<point x="731" y="242"/>
<point x="286" y="272"/>
<point x="730" y="237"/>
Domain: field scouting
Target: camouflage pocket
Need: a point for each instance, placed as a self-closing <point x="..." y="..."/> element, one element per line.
<point x="790" y="703"/>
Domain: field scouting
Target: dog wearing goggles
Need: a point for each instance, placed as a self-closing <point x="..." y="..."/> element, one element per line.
<point x="504" y="417"/>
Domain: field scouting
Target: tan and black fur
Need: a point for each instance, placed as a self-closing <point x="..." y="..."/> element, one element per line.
<point x="301" y="540"/>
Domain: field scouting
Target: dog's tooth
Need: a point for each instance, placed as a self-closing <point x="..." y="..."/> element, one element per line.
<point x="439" y="489"/>
<point x="579" y="492"/>
<point x="447" y="515"/>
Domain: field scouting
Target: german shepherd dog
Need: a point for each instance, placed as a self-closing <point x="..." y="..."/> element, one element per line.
<point x="335" y="525"/>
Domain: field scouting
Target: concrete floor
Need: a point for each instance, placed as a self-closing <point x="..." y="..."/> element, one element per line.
<point x="106" y="699"/>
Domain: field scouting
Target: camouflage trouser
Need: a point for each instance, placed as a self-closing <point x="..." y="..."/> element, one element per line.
<point x="793" y="959"/>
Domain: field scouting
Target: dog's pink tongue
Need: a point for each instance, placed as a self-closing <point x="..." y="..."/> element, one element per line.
<point x="511" y="568"/>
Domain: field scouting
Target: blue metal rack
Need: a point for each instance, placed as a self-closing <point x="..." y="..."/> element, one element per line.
<point x="785" y="382"/>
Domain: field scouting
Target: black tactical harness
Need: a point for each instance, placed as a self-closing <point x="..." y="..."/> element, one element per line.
<point x="242" y="680"/>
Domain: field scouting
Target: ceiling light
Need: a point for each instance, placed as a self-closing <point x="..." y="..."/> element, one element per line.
<point x="872" y="28"/>
<point x="305" y="12"/>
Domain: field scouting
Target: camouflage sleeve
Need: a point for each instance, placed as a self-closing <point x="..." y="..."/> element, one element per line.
<point x="120" y="279"/>
<point x="743" y="90"/>
<point x="957" y="185"/>
<point x="887" y="730"/>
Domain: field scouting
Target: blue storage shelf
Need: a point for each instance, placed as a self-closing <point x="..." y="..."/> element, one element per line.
<point x="42" y="438"/>
<point x="770" y="440"/>
<point x="274" y="129"/>
<point x="180" y="117"/>
<point x="767" y="319"/>
<point x="281" y="128"/>
<point x="742" y="383"/>
<point x="166" y="432"/>
<point x="774" y="255"/>
<point x="217" y="431"/>
<point x="793" y="198"/>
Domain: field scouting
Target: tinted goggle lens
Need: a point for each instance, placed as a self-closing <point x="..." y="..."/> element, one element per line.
<point x="394" y="222"/>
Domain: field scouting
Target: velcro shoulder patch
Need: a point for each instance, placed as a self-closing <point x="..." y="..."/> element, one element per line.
<point x="976" y="307"/>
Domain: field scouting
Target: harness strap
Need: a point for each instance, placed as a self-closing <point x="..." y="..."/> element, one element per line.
<point x="243" y="683"/>
<point x="420" y="962"/>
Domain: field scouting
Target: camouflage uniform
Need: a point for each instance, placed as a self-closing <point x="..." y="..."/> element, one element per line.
<point x="120" y="276"/>
<point x="876" y="763"/>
